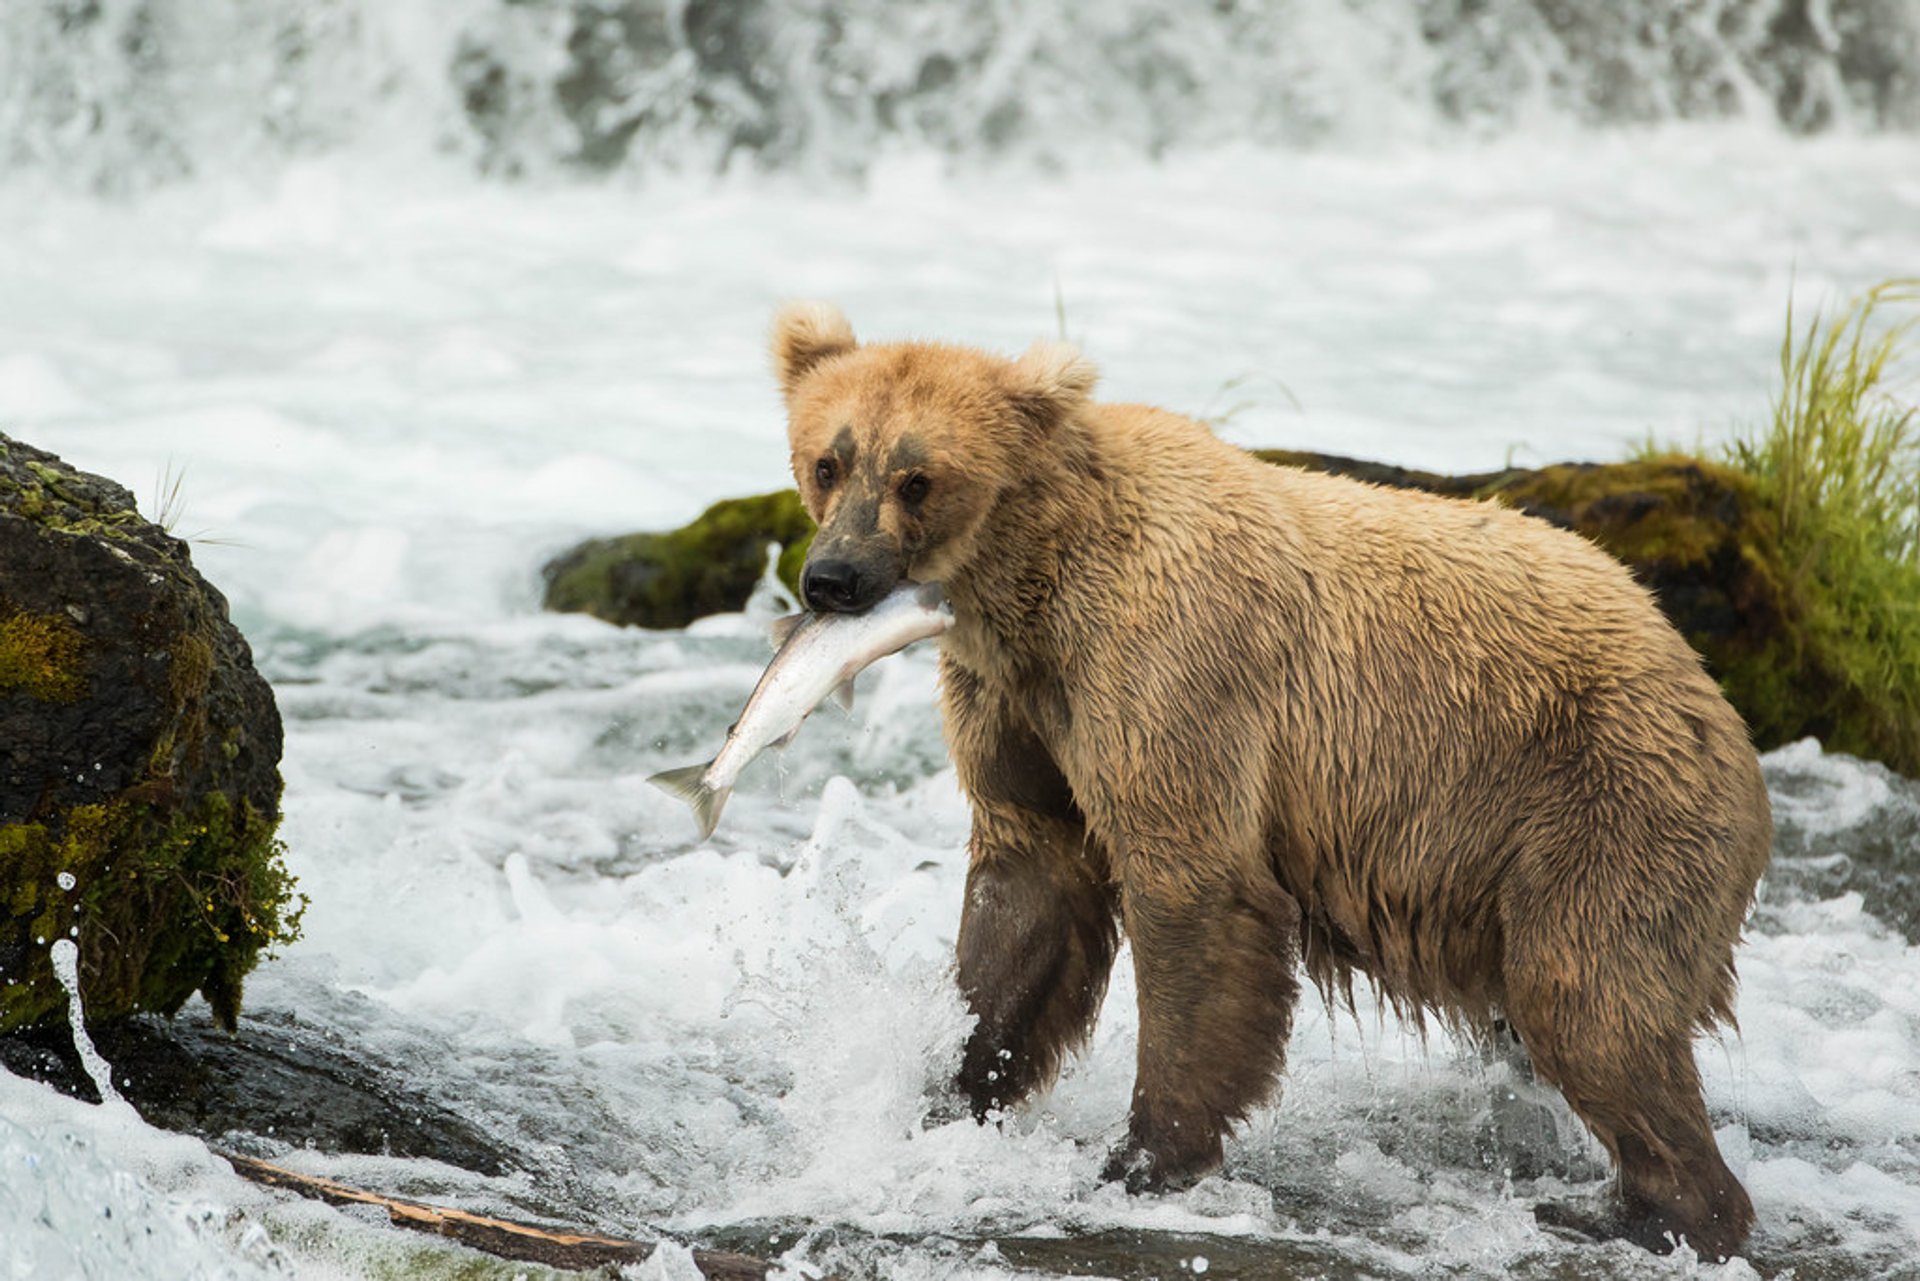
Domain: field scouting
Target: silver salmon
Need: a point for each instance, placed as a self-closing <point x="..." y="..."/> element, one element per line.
<point x="819" y="654"/>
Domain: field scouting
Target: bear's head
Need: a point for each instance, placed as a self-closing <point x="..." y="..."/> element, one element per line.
<point x="903" y="450"/>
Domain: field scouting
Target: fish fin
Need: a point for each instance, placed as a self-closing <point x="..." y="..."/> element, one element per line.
<point x="787" y="737"/>
<point x="843" y="694"/>
<point x="781" y="628"/>
<point x="685" y="783"/>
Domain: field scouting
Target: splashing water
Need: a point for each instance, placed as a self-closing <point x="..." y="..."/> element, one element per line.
<point x="66" y="967"/>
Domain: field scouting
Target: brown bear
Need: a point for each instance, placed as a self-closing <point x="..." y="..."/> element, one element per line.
<point x="1259" y="717"/>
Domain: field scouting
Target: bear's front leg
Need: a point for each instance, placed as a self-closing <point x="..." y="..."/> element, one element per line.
<point x="1215" y="962"/>
<point x="1037" y="938"/>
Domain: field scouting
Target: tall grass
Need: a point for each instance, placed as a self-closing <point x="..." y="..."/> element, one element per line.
<point x="1839" y="464"/>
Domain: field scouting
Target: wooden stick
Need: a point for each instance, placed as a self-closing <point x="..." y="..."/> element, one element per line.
<point x="556" y="1248"/>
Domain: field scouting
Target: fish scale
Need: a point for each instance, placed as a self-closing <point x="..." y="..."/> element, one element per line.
<point x="819" y="654"/>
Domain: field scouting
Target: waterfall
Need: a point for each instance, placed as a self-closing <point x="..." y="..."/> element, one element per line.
<point x="131" y="93"/>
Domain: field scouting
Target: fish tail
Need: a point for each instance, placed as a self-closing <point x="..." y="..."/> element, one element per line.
<point x="686" y="783"/>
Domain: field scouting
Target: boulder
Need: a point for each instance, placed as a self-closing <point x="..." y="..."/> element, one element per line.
<point x="709" y="566"/>
<point x="139" y="760"/>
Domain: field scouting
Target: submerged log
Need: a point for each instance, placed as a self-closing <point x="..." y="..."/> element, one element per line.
<point x="503" y="1238"/>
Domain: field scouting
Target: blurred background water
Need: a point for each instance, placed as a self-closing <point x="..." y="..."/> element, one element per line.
<point x="127" y="93"/>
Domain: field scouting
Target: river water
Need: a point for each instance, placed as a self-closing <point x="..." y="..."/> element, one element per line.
<point x="391" y="381"/>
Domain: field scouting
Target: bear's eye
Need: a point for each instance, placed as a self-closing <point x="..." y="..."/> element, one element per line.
<point x="913" y="490"/>
<point x="823" y="473"/>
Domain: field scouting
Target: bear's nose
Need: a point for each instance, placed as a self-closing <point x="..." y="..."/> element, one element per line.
<point x="832" y="585"/>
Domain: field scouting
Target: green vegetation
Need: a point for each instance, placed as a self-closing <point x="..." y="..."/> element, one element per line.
<point x="42" y="655"/>
<point x="164" y="903"/>
<point x="669" y="579"/>
<point x="1838" y="465"/>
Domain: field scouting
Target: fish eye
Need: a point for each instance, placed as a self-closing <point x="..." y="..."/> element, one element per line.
<point x="913" y="490"/>
<point x="823" y="472"/>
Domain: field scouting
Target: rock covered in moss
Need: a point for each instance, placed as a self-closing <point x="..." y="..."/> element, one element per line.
<point x="139" y="760"/>
<point x="709" y="566"/>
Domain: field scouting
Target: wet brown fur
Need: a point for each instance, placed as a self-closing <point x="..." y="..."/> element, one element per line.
<point x="1262" y="717"/>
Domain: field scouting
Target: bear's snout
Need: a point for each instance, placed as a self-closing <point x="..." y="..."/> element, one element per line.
<point x="839" y="586"/>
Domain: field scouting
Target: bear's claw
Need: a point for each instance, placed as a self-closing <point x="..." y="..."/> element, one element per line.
<point x="1131" y="1165"/>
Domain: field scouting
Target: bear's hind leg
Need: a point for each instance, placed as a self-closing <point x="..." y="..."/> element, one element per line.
<point x="1037" y="938"/>
<point x="1217" y="987"/>
<point x="1640" y="1094"/>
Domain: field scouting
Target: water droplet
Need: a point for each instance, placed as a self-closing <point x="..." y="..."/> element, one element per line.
<point x="66" y="880"/>
<point x="66" y="968"/>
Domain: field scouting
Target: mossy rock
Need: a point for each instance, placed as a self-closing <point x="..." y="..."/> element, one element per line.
<point x="669" y="579"/>
<point x="139" y="760"/>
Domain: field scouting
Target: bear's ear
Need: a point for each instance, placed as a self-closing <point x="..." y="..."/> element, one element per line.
<point x="804" y="334"/>
<point x="1049" y="380"/>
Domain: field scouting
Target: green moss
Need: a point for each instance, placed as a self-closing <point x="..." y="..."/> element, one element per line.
<point x="42" y="655"/>
<point x="48" y="497"/>
<point x="191" y="669"/>
<point x="1666" y="509"/>
<point x="793" y="558"/>
<point x="163" y="906"/>
<point x="669" y="579"/>
<point x="189" y="672"/>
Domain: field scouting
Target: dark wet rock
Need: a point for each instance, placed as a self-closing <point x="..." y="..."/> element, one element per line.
<point x="709" y="566"/>
<point x="139" y="760"/>
<point x="271" y="1085"/>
